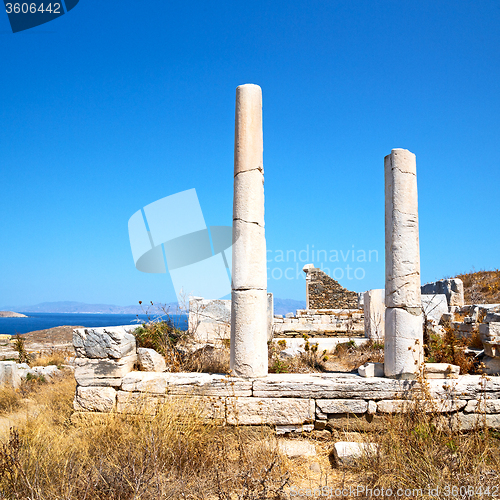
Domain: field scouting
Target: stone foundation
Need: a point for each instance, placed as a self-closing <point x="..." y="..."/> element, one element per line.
<point x="335" y="401"/>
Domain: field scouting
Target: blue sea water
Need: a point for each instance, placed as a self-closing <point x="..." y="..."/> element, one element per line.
<point x="41" y="321"/>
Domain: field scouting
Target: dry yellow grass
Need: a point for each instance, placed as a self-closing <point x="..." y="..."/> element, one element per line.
<point x="481" y="287"/>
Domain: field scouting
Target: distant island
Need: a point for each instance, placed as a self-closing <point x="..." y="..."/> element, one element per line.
<point x="11" y="314"/>
<point x="281" y="306"/>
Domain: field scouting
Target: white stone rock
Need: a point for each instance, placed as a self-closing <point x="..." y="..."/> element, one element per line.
<point x="342" y="405"/>
<point x="492" y="365"/>
<point x="150" y="360"/>
<point x="441" y="370"/>
<point x="249" y="333"/>
<point x="371" y="370"/>
<point x="372" y="408"/>
<point x="483" y="406"/>
<point x="403" y="343"/>
<point x="9" y="375"/>
<point x="374" y="314"/>
<point x="347" y="453"/>
<point x="209" y="320"/>
<point x="100" y="399"/>
<point x="100" y="343"/>
<point x="294" y="448"/>
<point x="291" y="352"/>
<point x="49" y="372"/>
<point x="103" y="372"/>
<point x="434" y="306"/>
<point x="23" y="369"/>
<point x="271" y="411"/>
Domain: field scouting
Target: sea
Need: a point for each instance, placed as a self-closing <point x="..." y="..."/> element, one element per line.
<point x="42" y="321"/>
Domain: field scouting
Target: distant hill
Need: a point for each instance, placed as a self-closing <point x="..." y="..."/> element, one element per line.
<point x="281" y="306"/>
<point x="66" y="307"/>
<point x="481" y="287"/>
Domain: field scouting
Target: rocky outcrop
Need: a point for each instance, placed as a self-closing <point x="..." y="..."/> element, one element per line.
<point x="11" y="314"/>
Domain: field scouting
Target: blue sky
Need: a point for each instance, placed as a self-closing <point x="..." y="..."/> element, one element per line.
<point x="118" y="104"/>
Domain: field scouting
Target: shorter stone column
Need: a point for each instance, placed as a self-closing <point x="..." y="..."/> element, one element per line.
<point x="403" y="346"/>
<point x="374" y="313"/>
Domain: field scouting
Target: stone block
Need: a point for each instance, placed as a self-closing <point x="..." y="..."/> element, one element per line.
<point x="374" y="314"/>
<point x="209" y="320"/>
<point x="492" y="317"/>
<point x="249" y="252"/>
<point x="9" y="375"/>
<point x="433" y="406"/>
<point x="403" y="343"/>
<point x="483" y="406"/>
<point x="293" y="429"/>
<point x="150" y="361"/>
<point x="434" y="306"/>
<point x="147" y="382"/>
<point x="103" y="372"/>
<point x="453" y="289"/>
<point x="294" y="448"/>
<point x="441" y="370"/>
<point x="138" y="403"/>
<point x="491" y="365"/>
<point x="328" y="406"/>
<point x="208" y="385"/>
<point x="113" y="342"/>
<point x="371" y="370"/>
<point x="249" y="333"/>
<point x="347" y="453"/>
<point x="100" y="399"/>
<point x="205" y="407"/>
<point x="271" y="411"/>
<point x="471" y="421"/>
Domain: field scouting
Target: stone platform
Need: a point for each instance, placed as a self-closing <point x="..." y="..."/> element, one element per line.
<point x="294" y="401"/>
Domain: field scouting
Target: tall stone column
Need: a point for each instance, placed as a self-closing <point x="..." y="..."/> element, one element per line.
<point x="249" y="276"/>
<point x="403" y="317"/>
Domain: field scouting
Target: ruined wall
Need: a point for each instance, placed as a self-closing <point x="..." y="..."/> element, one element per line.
<point x="323" y="292"/>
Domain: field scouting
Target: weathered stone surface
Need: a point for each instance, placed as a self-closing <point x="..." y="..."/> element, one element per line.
<point x="208" y="384"/>
<point x="374" y="312"/>
<point x="137" y="403"/>
<point x="403" y="343"/>
<point x="348" y="453"/>
<point x="206" y="407"/>
<point x="249" y="333"/>
<point x="294" y="429"/>
<point x="453" y="289"/>
<point x="468" y="422"/>
<point x="100" y="343"/>
<point x="48" y="372"/>
<point x="355" y="423"/>
<point x="492" y="349"/>
<point x="441" y="370"/>
<point x="150" y="360"/>
<point x="100" y="399"/>
<point x="248" y="144"/>
<point x="249" y="248"/>
<point x="209" y="320"/>
<point x="492" y="365"/>
<point x="9" y="375"/>
<point x="323" y="292"/>
<point x="103" y="372"/>
<point x="492" y="317"/>
<point x="434" y="306"/>
<point x="483" y="406"/>
<point x="342" y="405"/>
<point x="325" y="386"/>
<point x="402" y="288"/>
<point x="273" y="411"/>
<point x="148" y="382"/>
<point x="466" y="387"/>
<point x="434" y="406"/>
<point x="294" y="448"/>
<point x="23" y="369"/>
<point x="372" y="408"/>
<point x="248" y="205"/>
<point x="371" y="370"/>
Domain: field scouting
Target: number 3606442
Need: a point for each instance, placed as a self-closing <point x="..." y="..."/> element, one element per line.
<point x="32" y="8"/>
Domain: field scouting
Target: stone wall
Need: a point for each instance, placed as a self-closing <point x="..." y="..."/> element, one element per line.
<point x="320" y="323"/>
<point x="108" y="384"/>
<point x="453" y="289"/>
<point x="323" y="292"/>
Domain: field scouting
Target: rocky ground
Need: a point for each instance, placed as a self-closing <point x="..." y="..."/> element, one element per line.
<point x="58" y="338"/>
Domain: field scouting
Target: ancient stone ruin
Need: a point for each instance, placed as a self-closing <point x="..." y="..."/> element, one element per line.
<point x="106" y="357"/>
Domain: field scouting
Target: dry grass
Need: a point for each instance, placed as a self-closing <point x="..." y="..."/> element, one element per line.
<point x="56" y="357"/>
<point x="419" y="450"/>
<point x="349" y="356"/>
<point x="177" y="454"/>
<point x="481" y="287"/>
